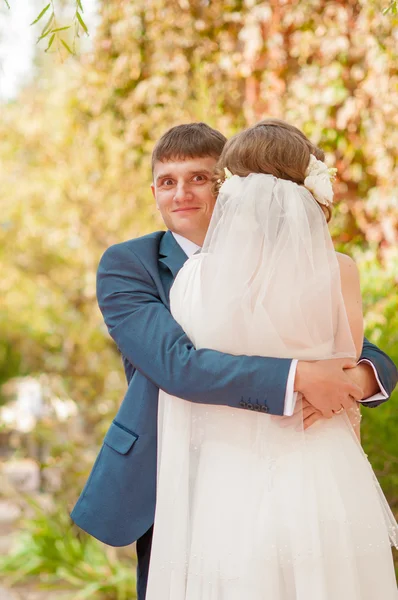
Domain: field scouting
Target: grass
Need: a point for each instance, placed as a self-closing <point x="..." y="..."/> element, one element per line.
<point x="51" y="549"/>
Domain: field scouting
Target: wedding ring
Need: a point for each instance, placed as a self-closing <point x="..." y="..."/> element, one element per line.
<point x="338" y="412"/>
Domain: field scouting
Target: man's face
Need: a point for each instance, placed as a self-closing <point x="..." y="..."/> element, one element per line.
<point x="183" y="194"/>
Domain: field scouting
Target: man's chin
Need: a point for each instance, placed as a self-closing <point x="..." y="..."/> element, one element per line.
<point x="195" y="232"/>
<point x="186" y="227"/>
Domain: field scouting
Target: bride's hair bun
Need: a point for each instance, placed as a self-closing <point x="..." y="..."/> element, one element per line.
<point x="273" y="147"/>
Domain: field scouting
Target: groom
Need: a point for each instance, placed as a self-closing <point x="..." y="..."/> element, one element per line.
<point x="117" y="504"/>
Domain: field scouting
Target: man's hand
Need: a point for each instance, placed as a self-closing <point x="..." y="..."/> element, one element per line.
<point x="326" y="386"/>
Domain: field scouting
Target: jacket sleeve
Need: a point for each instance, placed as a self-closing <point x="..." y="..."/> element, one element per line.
<point x="386" y="370"/>
<point x="148" y="336"/>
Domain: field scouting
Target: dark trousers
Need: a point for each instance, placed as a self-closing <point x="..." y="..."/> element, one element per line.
<point x="144" y="545"/>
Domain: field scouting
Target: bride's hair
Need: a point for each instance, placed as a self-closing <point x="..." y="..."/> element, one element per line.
<point x="272" y="147"/>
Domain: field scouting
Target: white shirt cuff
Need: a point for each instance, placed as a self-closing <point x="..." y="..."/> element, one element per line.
<point x="290" y="395"/>
<point x="382" y="395"/>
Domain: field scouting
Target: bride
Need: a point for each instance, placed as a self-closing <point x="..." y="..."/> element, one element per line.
<point x="252" y="506"/>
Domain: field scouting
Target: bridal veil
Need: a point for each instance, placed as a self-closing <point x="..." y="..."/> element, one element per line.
<point x="248" y="504"/>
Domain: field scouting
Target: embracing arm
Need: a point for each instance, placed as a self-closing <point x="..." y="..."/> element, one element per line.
<point x="350" y="286"/>
<point x="351" y="290"/>
<point x="376" y="374"/>
<point x="148" y="336"/>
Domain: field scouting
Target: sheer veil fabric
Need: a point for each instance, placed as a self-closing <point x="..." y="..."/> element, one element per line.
<point x="249" y="505"/>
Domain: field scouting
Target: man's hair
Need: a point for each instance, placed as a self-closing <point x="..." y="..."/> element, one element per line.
<point x="193" y="140"/>
<point x="272" y="147"/>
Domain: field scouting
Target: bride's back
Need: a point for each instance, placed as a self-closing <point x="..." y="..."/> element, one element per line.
<point x="267" y="281"/>
<point x="266" y="295"/>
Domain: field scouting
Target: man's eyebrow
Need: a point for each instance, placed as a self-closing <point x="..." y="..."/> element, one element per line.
<point x="163" y="175"/>
<point x="200" y="171"/>
<point x="194" y="172"/>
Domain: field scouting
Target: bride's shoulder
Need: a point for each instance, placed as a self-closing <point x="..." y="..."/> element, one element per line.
<point x="348" y="267"/>
<point x="188" y="269"/>
<point x="193" y="262"/>
<point x="345" y="261"/>
<point x="185" y="281"/>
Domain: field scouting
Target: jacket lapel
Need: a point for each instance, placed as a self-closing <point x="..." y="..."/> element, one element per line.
<point x="171" y="259"/>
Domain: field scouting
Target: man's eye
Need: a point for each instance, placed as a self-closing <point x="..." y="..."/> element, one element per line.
<point x="167" y="182"/>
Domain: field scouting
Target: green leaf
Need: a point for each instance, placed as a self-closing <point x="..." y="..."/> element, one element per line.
<point x="79" y="4"/>
<point x="60" y="29"/>
<point x="82" y="23"/>
<point x="47" y="28"/>
<point x="45" y="9"/>
<point x="50" y="43"/>
<point x="391" y="8"/>
<point x="66" y="46"/>
<point x="9" y="5"/>
<point x="43" y="36"/>
<point x="46" y="31"/>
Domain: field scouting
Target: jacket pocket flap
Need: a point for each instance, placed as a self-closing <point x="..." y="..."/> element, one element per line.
<point x="119" y="439"/>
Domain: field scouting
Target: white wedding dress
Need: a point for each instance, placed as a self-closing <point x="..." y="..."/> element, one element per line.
<point x="250" y="506"/>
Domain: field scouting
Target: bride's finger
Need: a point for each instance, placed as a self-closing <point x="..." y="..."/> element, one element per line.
<point x="317" y="416"/>
<point x="309" y="416"/>
<point x="300" y="405"/>
<point x="292" y="421"/>
<point x="308" y="411"/>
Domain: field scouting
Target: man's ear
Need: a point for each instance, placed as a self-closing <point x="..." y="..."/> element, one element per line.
<point x="154" y="195"/>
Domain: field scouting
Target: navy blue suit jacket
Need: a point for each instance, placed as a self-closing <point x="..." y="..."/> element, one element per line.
<point x="117" y="505"/>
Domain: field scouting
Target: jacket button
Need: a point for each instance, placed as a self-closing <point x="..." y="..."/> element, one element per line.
<point x="257" y="407"/>
<point x="250" y="406"/>
<point x="264" y="409"/>
<point x="242" y="403"/>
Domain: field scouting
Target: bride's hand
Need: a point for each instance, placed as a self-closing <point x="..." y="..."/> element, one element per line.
<point x="310" y="414"/>
<point x="304" y="416"/>
<point x="326" y="386"/>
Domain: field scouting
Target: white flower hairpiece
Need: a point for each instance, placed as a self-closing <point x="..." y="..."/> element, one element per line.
<point x="227" y="175"/>
<point x="319" y="180"/>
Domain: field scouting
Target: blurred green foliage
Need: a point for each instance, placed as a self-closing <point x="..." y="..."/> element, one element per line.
<point x="51" y="549"/>
<point x="75" y="171"/>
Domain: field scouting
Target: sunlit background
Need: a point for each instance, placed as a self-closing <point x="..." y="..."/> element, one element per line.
<point x="76" y="133"/>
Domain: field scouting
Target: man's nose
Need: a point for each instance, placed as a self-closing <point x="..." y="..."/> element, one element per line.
<point x="183" y="193"/>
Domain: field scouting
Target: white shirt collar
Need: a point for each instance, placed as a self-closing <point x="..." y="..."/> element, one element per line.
<point x="187" y="246"/>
